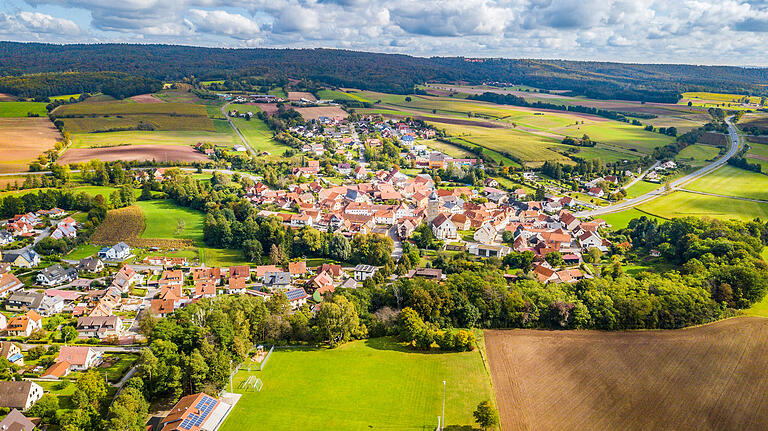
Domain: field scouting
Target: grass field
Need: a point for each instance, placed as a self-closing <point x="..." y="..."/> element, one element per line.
<point x="124" y="115"/>
<point x="371" y="384"/>
<point x="222" y="256"/>
<point x="82" y="251"/>
<point x="23" y="140"/>
<point x="340" y="95"/>
<point x="165" y="219"/>
<point x="20" y="109"/>
<point x="732" y="181"/>
<point x="447" y="148"/>
<point x="640" y="188"/>
<point x="698" y="155"/>
<point x="621" y="220"/>
<point x="135" y="137"/>
<point x="259" y="136"/>
<point x="704" y="378"/>
<point x="684" y="204"/>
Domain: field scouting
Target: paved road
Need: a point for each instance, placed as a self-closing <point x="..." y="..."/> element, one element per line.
<point x="629" y="203"/>
<point x="232" y="124"/>
<point x="641" y="176"/>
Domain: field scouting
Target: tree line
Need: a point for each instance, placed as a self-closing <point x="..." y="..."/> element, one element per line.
<point x="41" y="86"/>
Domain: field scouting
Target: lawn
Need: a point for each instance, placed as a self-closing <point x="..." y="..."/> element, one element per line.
<point x="259" y="136"/>
<point x="371" y="384"/>
<point x="732" y="181"/>
<point x="684" y="204"/>
<point x="222" y="257"/>
<point x="620" y="220"/>
<point x="122" y="363"/>
<point x="698" y="155"/>
<point x="165" y="219"/>
<point x="640" y="188"/>
<point x="20" y="109"/>
<point x="135" y="137"/>
<point x="82" y="251"/>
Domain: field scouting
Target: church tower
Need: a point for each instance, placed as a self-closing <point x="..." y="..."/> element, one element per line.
<point x="433" y="206"/>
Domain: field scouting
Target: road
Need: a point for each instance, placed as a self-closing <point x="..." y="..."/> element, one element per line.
<point x="232" y="124"/>
<point x="677" y="184"/>
<point x="641" y="176"/>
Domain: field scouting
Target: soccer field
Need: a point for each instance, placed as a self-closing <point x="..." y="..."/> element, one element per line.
<point x="369" y="384"/>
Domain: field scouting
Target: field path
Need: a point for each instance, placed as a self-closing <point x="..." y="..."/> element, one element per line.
<point x="232" y="124"/>
<point x="704" y="378"/>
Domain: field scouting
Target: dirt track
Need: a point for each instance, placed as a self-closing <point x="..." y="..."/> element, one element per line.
<point x="180" y="153"/>
<point x="707" y="378"/>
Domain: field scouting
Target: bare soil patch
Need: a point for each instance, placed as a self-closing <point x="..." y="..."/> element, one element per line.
<point x="298" y="95"/>
<point x="757" y="157"/>
<point x="322" y="111"/>
<point x="146" y="98"/>
<point x="7" y="98"/>
<point x="22" y="140"/>
<point x="716" y="139"/>
<point x="178" y="153"/>
<point x="705" y="378"/>
<point x="758" y="139"/>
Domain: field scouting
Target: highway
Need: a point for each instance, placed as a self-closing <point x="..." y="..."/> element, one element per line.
<point x="678" y="183"/>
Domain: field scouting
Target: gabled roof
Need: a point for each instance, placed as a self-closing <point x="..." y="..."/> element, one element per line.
<point x="75" y="355"/>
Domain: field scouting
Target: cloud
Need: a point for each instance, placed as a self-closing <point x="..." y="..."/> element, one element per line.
<point x="225" y="23"/>
<point x="37" y="23"/>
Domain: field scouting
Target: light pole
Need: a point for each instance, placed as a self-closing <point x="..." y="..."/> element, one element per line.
<point x="442" y="424"/>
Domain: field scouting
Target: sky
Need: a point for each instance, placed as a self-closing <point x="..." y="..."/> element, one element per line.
<point x="731" y="32"/>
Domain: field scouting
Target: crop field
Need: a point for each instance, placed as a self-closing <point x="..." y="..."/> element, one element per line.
<point x="705" y="378"/>
<point x="177" y="153"/>
<point x="146" y="98"/>
<point x="698" y="97"/>
<point x="685" y="204"/>
<point x="322" y="111"/>
<point x="22" y="140"/>
<point x="298" y="95"/>
<point x="118" y="116"/>
<point x="66" y="97"/>
<point x="340" y="95"/>
<point x="370" y="384"/>
<point x="758" y="120"/>
<point x="259" y="136"/>
<point x="21" y="109"/>
<point x="619" y="134"/>
<point x="164" y="219"/>
<point x="606" y="153"/>
<point x="447" y="148"/>
<point x="758" y="153"/>
<point x="731" y="181"/>
<point x="224" y="138"/>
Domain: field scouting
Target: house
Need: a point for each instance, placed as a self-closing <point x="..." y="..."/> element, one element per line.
<point x="125" y="278"/>
<point x="80" y="358"/>
<point x="55" y="275"/>
<point x="596" y="192"/>
<point x="297" y="269"/>
<point x="57" y="370"/>
<point x="24" y="325"/>
<point x="162" y="307"/>
<point x="489" y="250"/>
<point x="64" y="230"/>
<point x="364" y="272"/>
<point x="443" y="228"/>
<point x="242" y="271"/>
<point x="22" y="259"/>
<point x="11" y="352"/>
<point x="297" y="297"/>
<point x="90" y="264"/>
<point x="5" y="237"/>
<point x="486" y="234"/>
<point x="322" y="282"/>
<point x="196" y="412"/>
<point x="236" y="285"/>
<point x="19" y="394"/>
<point x="99" y="326"/>
<point x="16" y="421"/>
<point x="277" y="279"/>
<point x="3" y="322"/>
<point x="119" y="251"/>
<point x="24" y="300"/>
<point x="334" y="270"/>
<point x="9" y="283"/>
<point x="205" y="289"/>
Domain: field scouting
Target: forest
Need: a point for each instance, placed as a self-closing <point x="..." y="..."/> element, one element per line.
<point x="40" y="86"/>
<point x="382" y="72"/>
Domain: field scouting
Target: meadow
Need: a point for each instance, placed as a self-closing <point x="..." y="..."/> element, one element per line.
<point x="165" y="219"/>
<point x="703" y="378"/>
<point x="620" y="220"/>
<point x="259" y="136"/>
<point x="732" y="181"/>
<point x="698" y="155"/>
<point x="340" y="95"/>
<point x="640" y="188"/>
<point x="685" y="204"/>
<point x="369" y="384"/>
<point x="105" y="117"/>
<point x="21" y="109"/>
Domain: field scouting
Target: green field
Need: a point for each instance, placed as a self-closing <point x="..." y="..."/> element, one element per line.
<point x="684" y="204"/>
<point x="259" y="136"/>
<point x="65" y="97"/>
<point x="698" y="155"/>
<point x="125" y="115"/>
<point x="135" y="137"/>
<point x="164" y="219"/>
<point x="340" y="95"/>
<point x="731" y="181"/>
<point x="20" y="109"/>
<point x="371" y="384"/>
<point x="528" y="147"/>
<point x="446" y="148"/>
<point x="82" y="251"/>
<point x="621" y="220"/>
<point x="222" y="257"/>
<point x="640" y="188"/>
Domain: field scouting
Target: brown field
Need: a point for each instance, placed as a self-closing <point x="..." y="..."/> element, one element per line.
<point x="179" y="153"/>
<point x="706" y="378"/>
<point x="716" y="139"/>
<point x="127" y="224"/>
<point x="7" y="98"/>
<point x="146" y="98"/>
<point x="22" y="140"/>
<point x="322" y="111"/>
<point x="754" y="119"/>
<point x="298" y="95"/>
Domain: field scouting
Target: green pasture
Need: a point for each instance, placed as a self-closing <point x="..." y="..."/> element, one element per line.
<point x="369" y="384"/>
<point x="620" y="220"/>
<point x="20" y="109"/>
<point x="164" y="219"/>
<point x="640" y="188"/>
<point x="732" y="181"/>
<point x="619" y="134"/>
<point x="698" y="154"/>
<point x="259" y="136"/>
<point x="340" y="95"/>
<point x="685" y="204"/>
<point x="82" y="251"/>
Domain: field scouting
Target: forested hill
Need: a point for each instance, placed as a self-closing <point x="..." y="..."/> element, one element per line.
<point x="384" y="72"/>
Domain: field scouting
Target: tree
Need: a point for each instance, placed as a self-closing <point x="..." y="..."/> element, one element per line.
<point x="486" y="415"/>
<point x="337" y="321"/>
<point x="128" y="412"/>
<point x="91" y="390"/>
<point x="339" y="248"/>
<point x="252" y="250"/>
<point x="45" y="408"/>
<point x="68" y="333"/>
<point x="555" y="258"/>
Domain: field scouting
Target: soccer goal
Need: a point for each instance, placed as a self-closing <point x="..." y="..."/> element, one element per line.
<point x="252" y="383"/>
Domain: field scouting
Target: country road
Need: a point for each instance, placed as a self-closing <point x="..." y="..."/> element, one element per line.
<point x="678" y="183"/>
<point x="232" y="124"/>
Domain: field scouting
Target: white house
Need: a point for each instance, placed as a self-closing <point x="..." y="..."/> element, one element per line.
<point x="80" y="358"/>
<point x="119" y="251"/>
<point x="486" y="234"/>
<point x="20" y="394"/>
<point x="364" y="272"/>
<point x="443" y="228"/>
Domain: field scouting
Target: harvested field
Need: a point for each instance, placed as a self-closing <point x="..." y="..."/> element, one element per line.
<point x="298" y="95"/>
<point x="7" y="97"/>
<point x="322" y="111"/>
<point x="457" y="121"/>
<point x="177" y="153"/>
<point x="127" y="224"/>
<point x="716" y="139"/>
<point x="146" y="98"/>
<point x="706" y="378"/>
<point x="269" y="108"/>
<point x="23" y="139"/>
<point x="122" y="116"/>
<point x="758" y="139"/>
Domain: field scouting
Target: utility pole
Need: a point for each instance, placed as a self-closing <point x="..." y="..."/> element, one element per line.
<point x="230" y="377"/>
<point x="442" y="423"/>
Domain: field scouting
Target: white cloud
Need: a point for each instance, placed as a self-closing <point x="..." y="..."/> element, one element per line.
<point x="225" y="23"/>
<point x="37" y="23"/>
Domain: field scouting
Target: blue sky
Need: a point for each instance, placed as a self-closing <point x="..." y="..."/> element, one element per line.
<point x="688" y="31"/>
